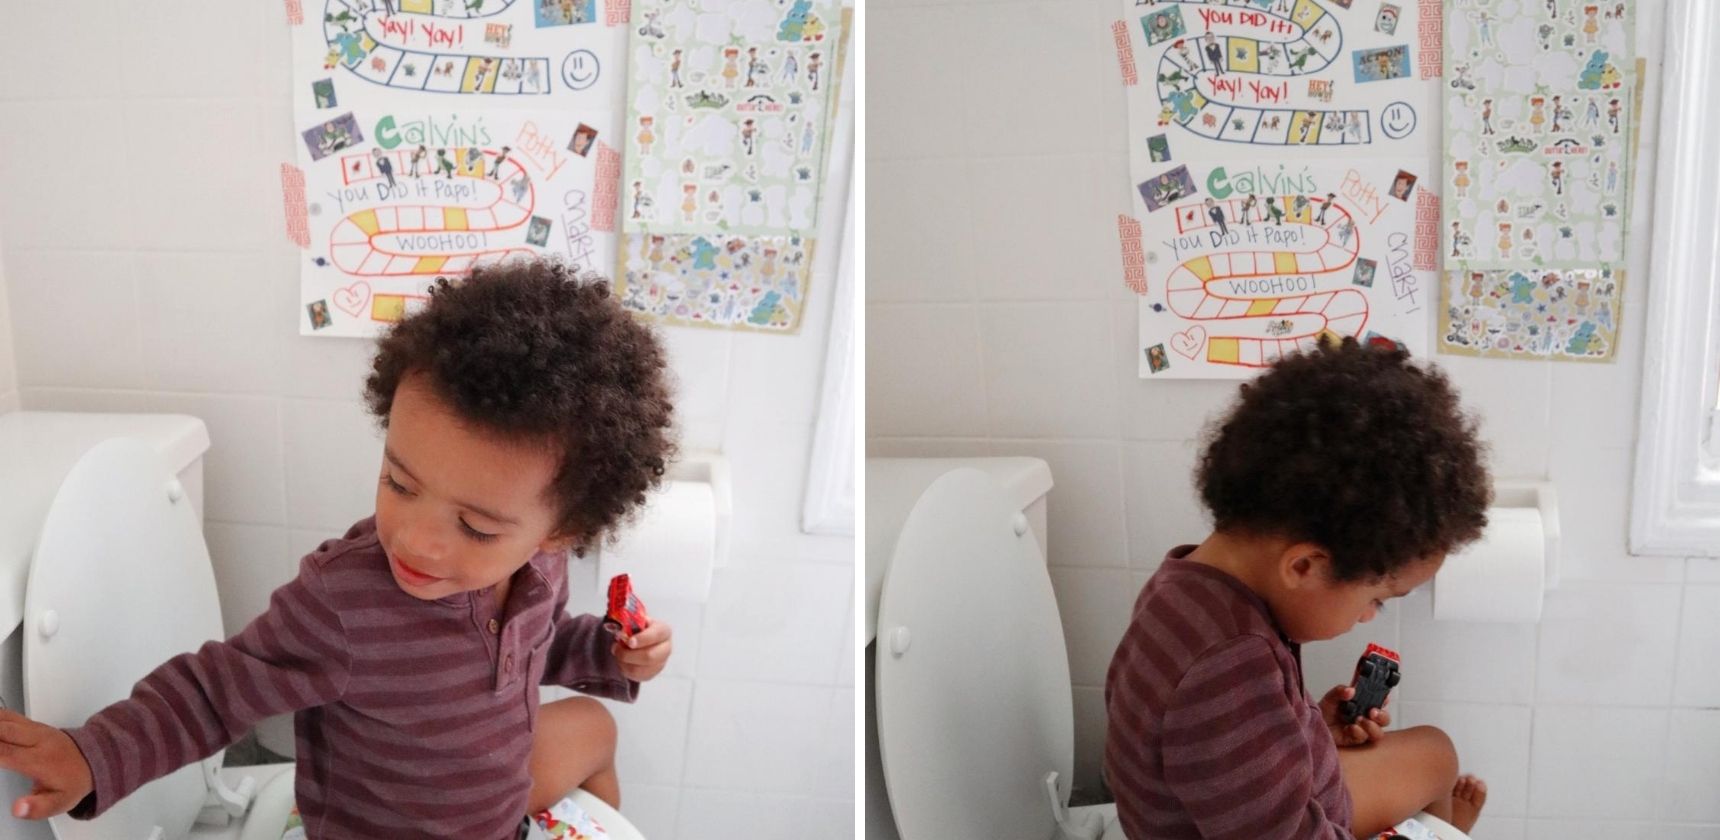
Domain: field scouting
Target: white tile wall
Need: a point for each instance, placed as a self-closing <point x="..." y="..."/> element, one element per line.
<point x="146" y="269"/>
<point x="998" y="324"/>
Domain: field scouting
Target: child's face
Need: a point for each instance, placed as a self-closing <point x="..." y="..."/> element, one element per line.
<point x="1317" y="607"/>
<point x="459" y="507"/>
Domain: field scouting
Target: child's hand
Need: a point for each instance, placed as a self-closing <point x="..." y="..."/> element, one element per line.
<point x="1370" y="728"/>
<point x="644" y="654"/>
<point x="47" y="757"/>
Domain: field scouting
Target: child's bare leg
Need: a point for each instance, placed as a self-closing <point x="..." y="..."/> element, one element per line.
<point x="573" y="747"/>
<point x="1409" y="770"/>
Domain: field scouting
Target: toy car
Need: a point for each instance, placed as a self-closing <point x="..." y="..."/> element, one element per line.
<point x="626" y="612"/>
<point x="1376" y="673"/>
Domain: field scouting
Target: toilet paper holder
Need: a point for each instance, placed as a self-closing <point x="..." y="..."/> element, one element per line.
<point x="710" y="467"/>
<point x="1541" y="496"/>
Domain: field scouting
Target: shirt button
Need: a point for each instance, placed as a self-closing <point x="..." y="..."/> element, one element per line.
<point x="509" y="664"/>
<point x="495" y="626"/>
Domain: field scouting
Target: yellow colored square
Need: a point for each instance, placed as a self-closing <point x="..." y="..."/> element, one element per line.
<point x="1284" y="262"/>
<point x="428" y="265"/>
<point x="416" y="7"/>
<point x="1308" y="121"/>
<point x="366" y="221"/>
<point x="454" y="218"/>
<point x="1262" y="307"/>
<point x="1202" y="268"/>
<point x="1244" y="55"/>
<point x="388" y="308"/>
<point x="1223" y="350"/>
<point x="1306" y="12"/>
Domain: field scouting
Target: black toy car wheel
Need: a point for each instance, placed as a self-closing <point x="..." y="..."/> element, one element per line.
<point x="1366" y="669"/>
<point x="1392" y="680"/>
<point x="1347" y="709"/>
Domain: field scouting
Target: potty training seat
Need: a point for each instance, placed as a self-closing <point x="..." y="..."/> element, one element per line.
<point x="570" y="819"/>
<point x="1426" y="827"/>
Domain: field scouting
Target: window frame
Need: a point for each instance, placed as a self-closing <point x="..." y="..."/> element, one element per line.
<point x="1675" y="509"/>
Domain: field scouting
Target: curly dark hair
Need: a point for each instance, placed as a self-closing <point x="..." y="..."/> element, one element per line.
<point x="531" y="352"/>
<point x="1355" y="449"/>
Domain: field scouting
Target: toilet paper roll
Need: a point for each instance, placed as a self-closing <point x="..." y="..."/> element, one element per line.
<point x="670" y="549"/>
<point x="1500" y="577"/>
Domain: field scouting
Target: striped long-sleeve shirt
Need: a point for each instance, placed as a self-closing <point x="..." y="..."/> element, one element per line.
<point x="412" y="718"/>
<point x="1211" y="734"/>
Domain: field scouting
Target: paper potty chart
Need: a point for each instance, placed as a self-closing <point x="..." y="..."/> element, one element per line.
<point x="1245" y="265"/>
<point x="435" y="137"/>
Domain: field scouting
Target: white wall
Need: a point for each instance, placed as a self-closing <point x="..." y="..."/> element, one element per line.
<point x="998" y="323"/>
<point x="8" y="362"/>
<point x="148" y="269"/>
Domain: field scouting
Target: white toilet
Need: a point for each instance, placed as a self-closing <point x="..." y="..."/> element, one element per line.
<point x="87" y="611"/>
<point x="970" y="728"/>
<point x="969" y="718"/>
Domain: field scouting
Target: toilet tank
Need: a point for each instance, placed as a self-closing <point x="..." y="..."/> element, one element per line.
<point x="38" y="449"/>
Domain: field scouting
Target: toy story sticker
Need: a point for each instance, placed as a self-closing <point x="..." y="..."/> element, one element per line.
<point x="726" y="137"/>
<point x="438" y="136"/>
<point x="1248" y="76"/>
<point x="1247" y="263"/>
<point x="1564" y="315"/>
<point x="1538" y="106"/>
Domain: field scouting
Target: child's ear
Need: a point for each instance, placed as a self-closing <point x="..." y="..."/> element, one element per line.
<point x="1303" y="564"/>
<point x="558" y="543"/>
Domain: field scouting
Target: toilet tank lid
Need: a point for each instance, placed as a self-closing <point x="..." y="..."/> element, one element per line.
<point x="1023" y="479"/>
<point x="38" y="449"/>
<point x="180" y="438"/>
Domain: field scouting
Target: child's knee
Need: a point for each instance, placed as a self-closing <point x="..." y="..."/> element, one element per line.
<point x="582" y="721"/>
<point x="1438" y="753"/>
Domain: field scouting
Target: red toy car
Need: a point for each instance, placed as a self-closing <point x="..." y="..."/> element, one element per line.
<point x="626" y="612"/>
<point x="1376" y="673"/>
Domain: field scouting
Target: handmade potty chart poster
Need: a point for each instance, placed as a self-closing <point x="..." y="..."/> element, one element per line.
<point x="726" y="135"/>
<point x="1539" y="120"/>
<point x="1280" y="152"/>
<point x="435" y="137"/>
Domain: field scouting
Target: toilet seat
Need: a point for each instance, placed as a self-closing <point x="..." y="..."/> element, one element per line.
<point x="953" y="767"/>
<point x="119" y="583"/>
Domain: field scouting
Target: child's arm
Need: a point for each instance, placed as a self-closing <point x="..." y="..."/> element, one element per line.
<point x="293" y="656"/>
<point x="579" y="655"/>
<point x="1235" y="753"/>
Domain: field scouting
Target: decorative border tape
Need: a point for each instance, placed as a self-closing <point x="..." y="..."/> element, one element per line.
<point x="1134" y="259"/>
<point x="293" y="195"/>
<point x="608" y="188"/>
<point x="1125" y="52"/>
<point x="1432" y="38"/>
<point x="1426" y="231"/>
<point x="617" y="12"/>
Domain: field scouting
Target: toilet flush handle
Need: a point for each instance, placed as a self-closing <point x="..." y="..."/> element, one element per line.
<point x="175" y="490"/>
<point x="900" y="639"/>
<point x="48" y="624"/>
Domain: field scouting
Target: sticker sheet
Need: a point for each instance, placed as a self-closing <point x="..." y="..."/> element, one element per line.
<point x="439" y="135"/>
<point x="1538" y="123"/>
<point x="1559" y="314"/>
<point x="726" y="136"/>
<point x="1245" y="264"/>
<point x="1248" y="78"/>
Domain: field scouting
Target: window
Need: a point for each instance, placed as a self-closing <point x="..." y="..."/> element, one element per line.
<point x="1675" y="509"/>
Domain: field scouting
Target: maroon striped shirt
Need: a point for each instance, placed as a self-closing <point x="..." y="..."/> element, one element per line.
<point x="412" y="718"/>
<point x="1211" y="734"/>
